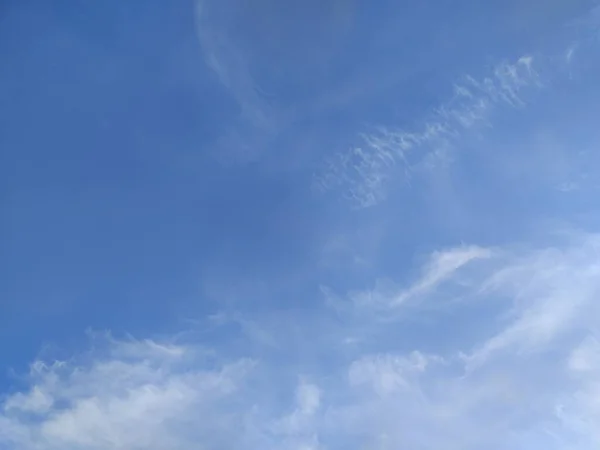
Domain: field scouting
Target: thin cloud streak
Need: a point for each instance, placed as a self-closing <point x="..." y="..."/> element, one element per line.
<point x="362" y="172"/>
<point x="441" y="267"/>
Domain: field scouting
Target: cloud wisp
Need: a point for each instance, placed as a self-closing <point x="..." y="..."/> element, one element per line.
<point x="257" y="120"/>
<point x="362" y="174"/>
<point x="440" y="267"/>
<point x="363" y="171"/>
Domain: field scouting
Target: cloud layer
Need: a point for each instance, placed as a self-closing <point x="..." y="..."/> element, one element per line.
<point x="526" y="378"/>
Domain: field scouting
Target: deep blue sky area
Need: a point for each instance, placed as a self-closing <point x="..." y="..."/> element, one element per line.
<point x="325" y="224"/>
<point x="98" y="193"/>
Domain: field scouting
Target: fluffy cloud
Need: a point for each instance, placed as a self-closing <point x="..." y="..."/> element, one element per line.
<point x="134" y="394"/>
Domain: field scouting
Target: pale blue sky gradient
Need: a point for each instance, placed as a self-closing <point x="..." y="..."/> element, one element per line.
<point x="326" y="225"/>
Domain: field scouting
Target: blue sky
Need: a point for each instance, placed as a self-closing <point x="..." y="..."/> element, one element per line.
<point x="322" y="224"/>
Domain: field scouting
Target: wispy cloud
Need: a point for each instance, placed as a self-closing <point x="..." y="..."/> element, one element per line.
<point x="387" y="373"/>
<point x="527" y="378"/>
<point x="250" y="132"/>
<point x="362" y="172"/>
<point x="545" y="323"/>
<point x="441" y="266"/>
<point x="554" y="292"/>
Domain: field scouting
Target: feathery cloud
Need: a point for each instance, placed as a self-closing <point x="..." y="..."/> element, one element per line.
<point x="361" y="173"/>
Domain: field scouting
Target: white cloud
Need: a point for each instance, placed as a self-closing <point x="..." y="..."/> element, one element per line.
<point x="534" y="383"/>
<point x="36" y="401"/>
<point x="440" y="267"/>
<point x="307" y="404"/>
<point x="121" y="400"/>
<point x="553" y="291"/>
<point x="362" y="172"/>
<point x="531" y="380"/>
<point x="386" y="373"/>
